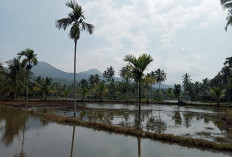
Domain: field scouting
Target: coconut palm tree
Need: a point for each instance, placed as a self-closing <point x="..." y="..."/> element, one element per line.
<point x="186" y="81"/>
<point x="149" y="81"/>
<point x="76" y="20"/>
<point x="83" y="89"/>
<point x="101" y="90"/>
<point x="125" y="74"/>
<point x="29" y="60"/>
<point x="217" y="94"/>
<point x="16" y="76"/>
<point x="160" y="76"/>
<point x="66" y="93"/>
<point x="227" y="4"/>
<point x="137" y="67"/>
<point x="177" y="92"/>
<point x="108" y="74"/>
<point x="3" y="80"/>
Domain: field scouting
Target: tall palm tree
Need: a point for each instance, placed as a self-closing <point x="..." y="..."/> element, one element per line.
<point x="125" y="74"/>
<point x="227" y="4"/>
<point x="76" y="20"/>
<point x="29" y="60"/>
<point x="109" y="76"/>
<point x="138" y="66"/>
<point x="160" y="76"/>
<point x="186" y="81"/>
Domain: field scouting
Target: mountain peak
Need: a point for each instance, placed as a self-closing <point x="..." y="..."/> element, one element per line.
<point x="44" y="69"/>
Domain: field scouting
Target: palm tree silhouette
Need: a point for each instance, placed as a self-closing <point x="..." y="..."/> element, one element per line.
<point x="29" y="60"/>
<point x="137" y="67"/>
<point x="160" y="76"/>
<point x="76" y="20"/>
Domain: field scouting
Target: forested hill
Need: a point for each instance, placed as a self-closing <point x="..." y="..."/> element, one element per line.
<point x="44" y="69"/>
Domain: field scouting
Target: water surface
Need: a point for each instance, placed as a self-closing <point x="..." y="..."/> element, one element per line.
<point x="25" y="135"/>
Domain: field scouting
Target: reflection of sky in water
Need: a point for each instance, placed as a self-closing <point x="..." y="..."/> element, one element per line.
<point x="183" y="120"/>
<point x="208" y="109"/>
<point x="55" y="140"/>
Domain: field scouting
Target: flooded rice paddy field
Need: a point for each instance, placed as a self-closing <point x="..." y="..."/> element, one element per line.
<point x="24" y="135"/>
<point x="188" y="121"/>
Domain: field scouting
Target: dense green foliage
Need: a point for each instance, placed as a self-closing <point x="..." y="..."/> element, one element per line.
<point x="218" y="89"/>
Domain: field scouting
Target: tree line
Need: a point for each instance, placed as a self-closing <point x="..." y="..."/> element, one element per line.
<point x="14" y="80"/>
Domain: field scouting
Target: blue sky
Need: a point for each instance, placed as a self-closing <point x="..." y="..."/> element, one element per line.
<point x="181" y="36"/>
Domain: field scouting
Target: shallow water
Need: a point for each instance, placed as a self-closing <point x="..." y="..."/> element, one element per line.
<point x="25" y="135"/>
<point x="208" y="109"/>
<point x="192" y="121"/>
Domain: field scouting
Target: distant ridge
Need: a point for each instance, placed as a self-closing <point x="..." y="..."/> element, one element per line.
<point x="44" y="69"/>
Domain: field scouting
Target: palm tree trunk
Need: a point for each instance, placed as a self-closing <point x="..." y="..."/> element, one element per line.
<point x="74" y="94"/>
<point x="159" y="86"/>
<point x="138" y="127"/>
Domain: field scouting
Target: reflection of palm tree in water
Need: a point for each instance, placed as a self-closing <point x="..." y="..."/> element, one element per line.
<point x="22" y="154"/>
<point x="177" y="118"/>
<point x="188" y="116"/>
<point x="73" y="136"/>
<point x="14" y="123"/>
<point x="139" y="146"/>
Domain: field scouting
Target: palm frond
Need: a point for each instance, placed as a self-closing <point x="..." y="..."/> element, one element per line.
<point x="144" y="61"/>
<point x="138" y="66"/>
<point x="71" y="4"/>
<point x="76" y="19"/>
<point x="88" y="27"/>
<point x="63" y="23"/>
<point x="229" y="21"/>
<point x="131" y="59"/>
<point x="226" y="3"/>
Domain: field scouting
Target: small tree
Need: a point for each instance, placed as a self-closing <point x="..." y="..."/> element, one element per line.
<point x="177" y="92"/>
<point x="66" y="93"/>
<point x="217" y="94"/>
<point x="101" y="90"/>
